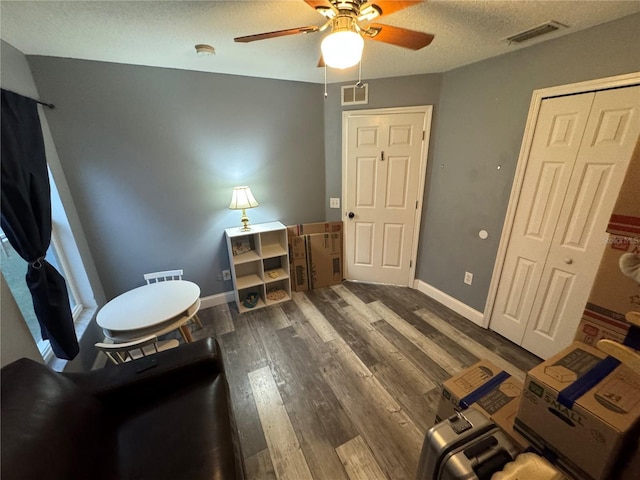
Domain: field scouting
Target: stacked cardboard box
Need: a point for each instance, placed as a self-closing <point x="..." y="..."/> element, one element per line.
<point x="583" y="408"/>
<point x="490" y="390"/>
<point x="315" y="255"/>
<point x="613" y="295"/>
<point x="625" y="219"/>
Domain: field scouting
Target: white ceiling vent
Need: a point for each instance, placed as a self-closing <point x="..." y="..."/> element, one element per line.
<point x="355" y="95"/>
<point x="543" y="29"/>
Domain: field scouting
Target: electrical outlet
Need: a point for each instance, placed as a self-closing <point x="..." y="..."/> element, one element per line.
<point x="226" y="275"/>
<point x="334" y="203"/>
<point x="468" y="278"/>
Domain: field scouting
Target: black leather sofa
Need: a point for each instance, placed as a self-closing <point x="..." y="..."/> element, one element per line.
<point x="166" y="416"/>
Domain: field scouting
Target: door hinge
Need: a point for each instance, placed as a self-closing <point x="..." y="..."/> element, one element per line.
<point x="410" y="263"/>
<point x="424" y="133"/>
<point x="416" y="204"/>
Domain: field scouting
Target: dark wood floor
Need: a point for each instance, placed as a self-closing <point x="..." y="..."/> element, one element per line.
<point x="343" y="382"/>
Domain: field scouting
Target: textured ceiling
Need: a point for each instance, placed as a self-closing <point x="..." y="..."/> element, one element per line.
<point x="163" y="34"/>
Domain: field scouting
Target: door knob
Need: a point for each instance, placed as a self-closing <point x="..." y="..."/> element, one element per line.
<point x="568" y="260"/>
<point x="351" y="214"/>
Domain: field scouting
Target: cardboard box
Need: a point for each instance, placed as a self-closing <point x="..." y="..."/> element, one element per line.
<point x="505" y="418"/>
<point x="297" y="247"/>
<point x="299" y="275"/>
<point x="589" y="434"/>
<point x="324" y="259"/>
<point x="297" y="260"/>
<point x="594" y="326"/>
<point x="315" y="255"/>
<point x="322" y="227"/>
<point x="612" y="296"/>
<point x="490" y="390"/>
<point x="625" y="219"/>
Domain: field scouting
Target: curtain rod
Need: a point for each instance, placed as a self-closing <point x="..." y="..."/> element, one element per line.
<point x="48" y="105"/>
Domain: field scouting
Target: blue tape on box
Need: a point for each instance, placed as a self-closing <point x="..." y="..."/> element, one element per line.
<point x="573" y="392"/>
<point x="484" y="389"/>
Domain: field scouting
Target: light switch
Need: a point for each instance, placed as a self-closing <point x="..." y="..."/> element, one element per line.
<point x="334" y="203"/>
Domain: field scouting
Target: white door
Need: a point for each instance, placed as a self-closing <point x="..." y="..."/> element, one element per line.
<point x="383" y="180"/>
<point x="579" y="155"/>
<point x="554" y="149"/>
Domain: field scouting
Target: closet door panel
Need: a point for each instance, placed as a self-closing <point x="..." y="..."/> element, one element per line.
<point x="556" y="143"/>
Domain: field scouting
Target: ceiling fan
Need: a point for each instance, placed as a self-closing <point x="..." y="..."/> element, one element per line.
<point x="350" y="24"/>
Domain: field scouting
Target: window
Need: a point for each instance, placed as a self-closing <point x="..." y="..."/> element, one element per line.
<point x="55" y="257"/>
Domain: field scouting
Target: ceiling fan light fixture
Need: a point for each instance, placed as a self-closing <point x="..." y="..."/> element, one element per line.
<point x="342" y="49"/>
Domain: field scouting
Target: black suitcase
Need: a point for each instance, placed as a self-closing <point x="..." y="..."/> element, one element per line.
<point x="466" y="446"/>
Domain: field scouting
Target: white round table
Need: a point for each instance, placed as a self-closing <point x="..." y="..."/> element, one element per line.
<point x="156" y="308"/>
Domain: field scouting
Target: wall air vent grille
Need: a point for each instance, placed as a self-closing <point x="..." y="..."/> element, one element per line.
<point x="354" y="95"/>
<point x="543" y="29"/>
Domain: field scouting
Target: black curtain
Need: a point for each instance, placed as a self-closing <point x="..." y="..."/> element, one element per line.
<point x="26" y="219"/>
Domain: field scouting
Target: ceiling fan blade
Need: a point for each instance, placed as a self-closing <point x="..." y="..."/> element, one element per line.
<point x="401" y="37"/>
<point x="278" y="33"/>
<point x="390" y="6"/>
<point x="318" y="3"/>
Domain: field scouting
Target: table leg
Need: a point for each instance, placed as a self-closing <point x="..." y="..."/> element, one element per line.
<point x="186" y="334"/>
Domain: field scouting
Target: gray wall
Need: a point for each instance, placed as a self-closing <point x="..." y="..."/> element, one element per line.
<point x="17" y="342"/>
<point x="483" y="111"/>
<point x="152" y="156"/>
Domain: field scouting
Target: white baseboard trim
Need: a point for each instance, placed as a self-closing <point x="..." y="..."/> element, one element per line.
<point x="217" y="299"/>
<point x="448" y="301"/>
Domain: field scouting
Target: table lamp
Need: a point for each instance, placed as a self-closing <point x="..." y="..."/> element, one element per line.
<point x="242" y="199"/>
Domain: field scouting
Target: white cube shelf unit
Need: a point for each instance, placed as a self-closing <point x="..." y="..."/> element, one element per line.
<point x="259" y="262"/>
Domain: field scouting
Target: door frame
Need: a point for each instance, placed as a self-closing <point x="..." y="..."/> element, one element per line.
<point x="426" y="128"/>
<point x="618" y="81"/>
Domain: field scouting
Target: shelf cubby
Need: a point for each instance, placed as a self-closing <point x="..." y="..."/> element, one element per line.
<point x="280" y="289"/>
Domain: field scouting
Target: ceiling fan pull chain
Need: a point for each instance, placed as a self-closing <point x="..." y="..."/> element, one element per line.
<point x="359" y="84"/>
<point x="325" y="81"/>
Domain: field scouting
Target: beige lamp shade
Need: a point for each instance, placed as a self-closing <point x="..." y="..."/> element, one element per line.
<point x="242" y="199"/>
